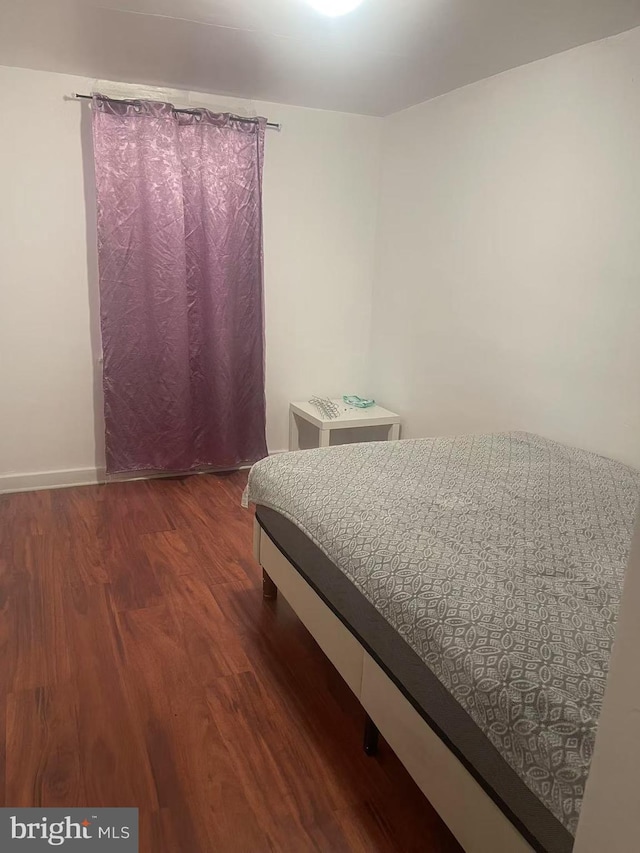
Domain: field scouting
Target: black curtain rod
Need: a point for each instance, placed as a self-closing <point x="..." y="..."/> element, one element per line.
<point x="271" y="124"/>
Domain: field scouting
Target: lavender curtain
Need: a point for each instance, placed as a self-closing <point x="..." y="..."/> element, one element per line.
<point x="180" y="266"/>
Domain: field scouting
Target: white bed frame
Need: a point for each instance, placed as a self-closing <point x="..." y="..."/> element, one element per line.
<point x="471" y="815"/>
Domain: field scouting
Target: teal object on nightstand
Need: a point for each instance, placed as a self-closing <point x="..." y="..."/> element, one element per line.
<point x="358" y="402"/>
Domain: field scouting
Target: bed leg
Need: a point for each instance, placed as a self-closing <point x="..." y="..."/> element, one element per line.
<point x="269" y="589"/>
<point x="370" y="737"/>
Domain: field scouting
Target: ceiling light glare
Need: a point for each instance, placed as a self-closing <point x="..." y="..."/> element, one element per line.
<point x="333" y="8"/>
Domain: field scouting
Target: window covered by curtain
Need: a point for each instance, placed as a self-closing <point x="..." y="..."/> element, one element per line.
<point x="180" y="269"/>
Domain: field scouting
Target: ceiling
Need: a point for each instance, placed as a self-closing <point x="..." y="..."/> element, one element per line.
<point x="386" y="55"/>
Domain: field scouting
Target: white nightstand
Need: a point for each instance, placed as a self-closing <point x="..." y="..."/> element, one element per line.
<point x="349" y="418"/>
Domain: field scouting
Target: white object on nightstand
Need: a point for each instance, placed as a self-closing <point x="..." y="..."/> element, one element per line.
<point x="349" y="418"/>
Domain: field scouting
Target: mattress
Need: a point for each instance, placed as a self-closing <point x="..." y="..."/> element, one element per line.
<point x="497" y="561"/>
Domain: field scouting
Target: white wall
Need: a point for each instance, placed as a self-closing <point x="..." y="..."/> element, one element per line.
<point x="506" y="261"/>
<point x="320" y="192"/>
<point x="507" y="292"/>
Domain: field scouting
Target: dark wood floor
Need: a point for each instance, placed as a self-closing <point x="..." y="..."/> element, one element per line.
<point x="141" y="667"/>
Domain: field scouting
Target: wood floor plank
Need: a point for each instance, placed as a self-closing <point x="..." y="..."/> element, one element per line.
<point x="38" y="647"/>
<point x="361" y="832"/>
<point x="132" y="580"/>
<point x="78" y="514"/>
<point x="207" y="636"/>
<point x="141" y="667"/>
<point x="221" y="561"/>
<point x="43" y="751"/>
<point x="26" y="514"/>
<point x="115" y="764"/>
<point x="194" y="774"/>
<point x="172" y="552"/>
<point x="254" y="750"/>
<point x="182" y="551"/>
<point x="7" y="584"/>
<point x="132" y="508"/>
<point x="244" y="607"/>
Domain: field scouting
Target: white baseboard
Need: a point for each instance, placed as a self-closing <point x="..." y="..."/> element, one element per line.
<point x="31" y="482"/>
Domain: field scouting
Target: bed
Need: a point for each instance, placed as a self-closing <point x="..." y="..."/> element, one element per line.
<point x="467" y="590"/>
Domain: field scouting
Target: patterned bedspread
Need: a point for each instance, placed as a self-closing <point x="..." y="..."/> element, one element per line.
<point x="500" y="560"/>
